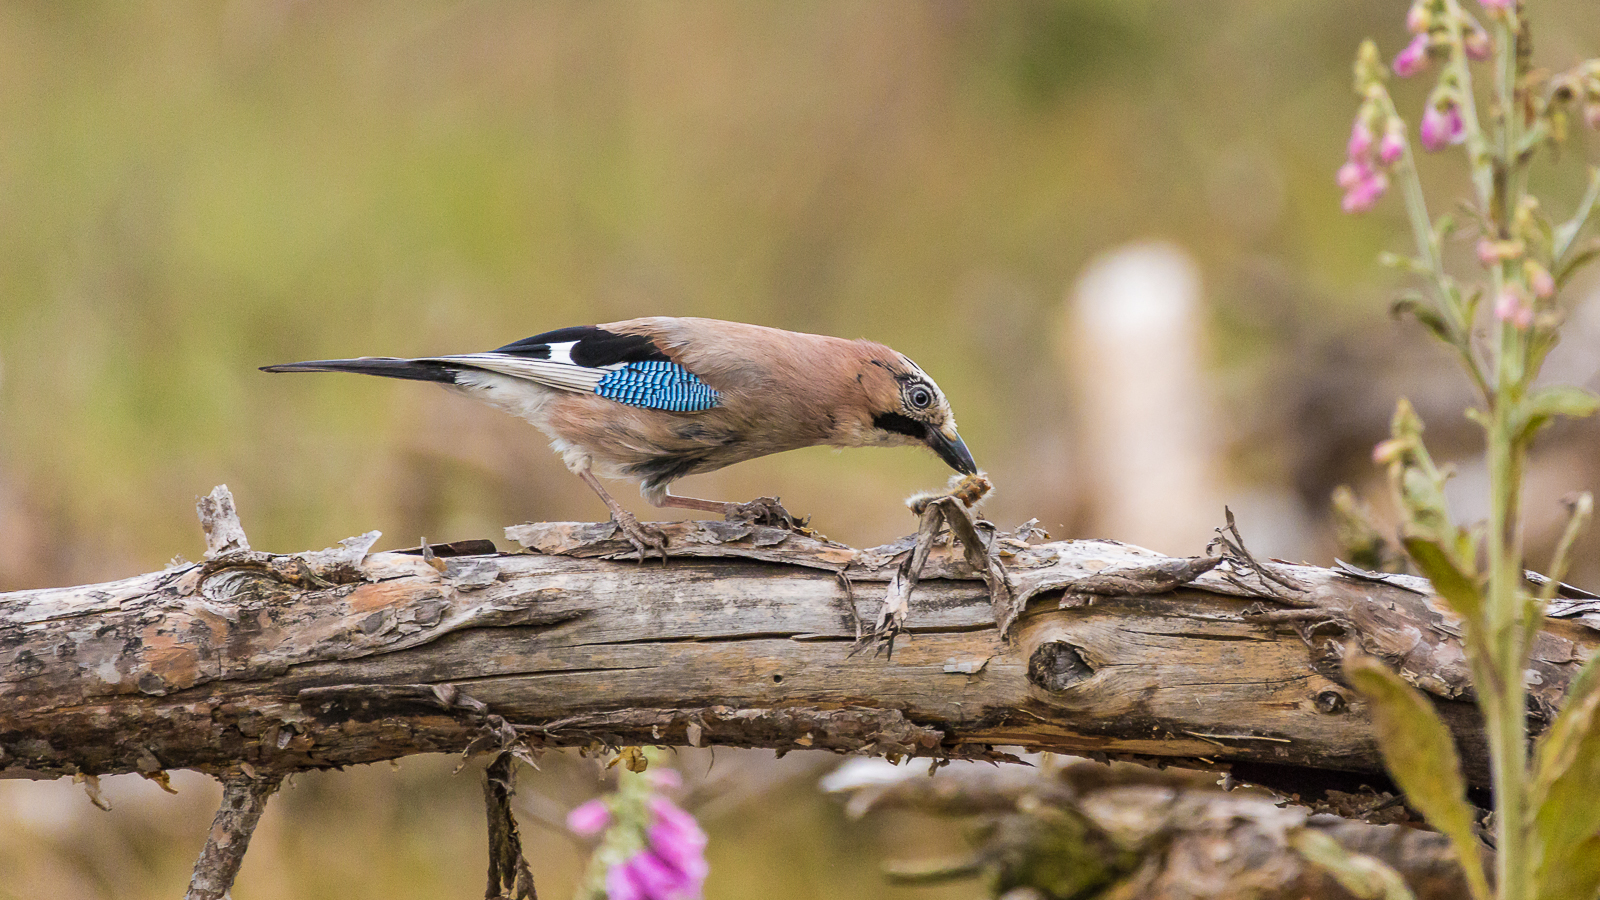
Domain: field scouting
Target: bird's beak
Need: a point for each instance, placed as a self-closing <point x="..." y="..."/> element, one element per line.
<point x="952" y="449"/>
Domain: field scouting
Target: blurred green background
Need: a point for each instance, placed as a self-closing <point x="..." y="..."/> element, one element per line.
<point x="189" y="190"/>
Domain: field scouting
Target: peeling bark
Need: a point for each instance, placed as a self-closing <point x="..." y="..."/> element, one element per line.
<point x="509" y="875"/>
<point x="744" y="638"/>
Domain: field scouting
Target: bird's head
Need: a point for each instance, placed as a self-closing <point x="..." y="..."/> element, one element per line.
<point x="902" y="406"/>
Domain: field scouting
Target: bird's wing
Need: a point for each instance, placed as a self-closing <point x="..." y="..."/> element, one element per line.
<point x="627" y="368"/>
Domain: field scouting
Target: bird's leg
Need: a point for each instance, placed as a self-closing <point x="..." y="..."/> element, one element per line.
<point x="639" y="536"/>
<point x="716" y="506"/>
<point x="761" y="511"/>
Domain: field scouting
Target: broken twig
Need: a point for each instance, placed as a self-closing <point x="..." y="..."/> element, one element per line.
<point x="243" y="800"/>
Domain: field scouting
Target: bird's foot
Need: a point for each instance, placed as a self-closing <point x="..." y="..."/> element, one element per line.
<point x="765" y="511"/>
<point x="643" y="538"/>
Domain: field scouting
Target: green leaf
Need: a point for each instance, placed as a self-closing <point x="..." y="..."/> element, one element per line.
<point x="1546" y="403"/>
<point x="1576" y="262"/>
<point x="1421" y="756"/>
<point x="1422" y="495"/>
<point x="1364" y="876"/>
<point x="1448" y="225"/>
<point x="1561" y="400"/>
<point x="1408" y="264"/>
<point x="1426" y="316"/>
<point x="1566" y="818"/>
<point x="1575" y="876"/>
<point x="1458" y="588"/>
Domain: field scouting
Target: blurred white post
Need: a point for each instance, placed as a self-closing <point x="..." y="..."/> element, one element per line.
<point x="1133" y="344"/>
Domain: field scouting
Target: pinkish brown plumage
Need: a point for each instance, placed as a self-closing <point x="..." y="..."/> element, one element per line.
<point x="660" y="398"/>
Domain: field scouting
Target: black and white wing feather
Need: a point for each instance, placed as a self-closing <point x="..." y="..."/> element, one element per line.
<point x="626" y="368"/>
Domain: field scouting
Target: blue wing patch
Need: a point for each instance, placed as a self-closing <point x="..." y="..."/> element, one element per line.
<point x="658" y="385"/>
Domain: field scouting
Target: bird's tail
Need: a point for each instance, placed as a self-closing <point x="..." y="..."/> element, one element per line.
<point x="388" y="367"/>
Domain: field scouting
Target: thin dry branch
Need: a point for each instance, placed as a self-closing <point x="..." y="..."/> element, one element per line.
<point x="244" y="799"/>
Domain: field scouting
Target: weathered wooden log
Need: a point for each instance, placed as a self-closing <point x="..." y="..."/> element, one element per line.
<point x="266" y="664"/>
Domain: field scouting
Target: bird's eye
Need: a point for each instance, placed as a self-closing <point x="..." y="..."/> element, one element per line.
<point x="919" y="397"/>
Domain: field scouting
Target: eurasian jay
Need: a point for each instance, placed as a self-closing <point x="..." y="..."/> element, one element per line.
<point x="660" y="398"/>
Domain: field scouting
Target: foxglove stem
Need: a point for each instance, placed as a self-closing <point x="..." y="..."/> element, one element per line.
<point x="1459" y="68"/>
<point x="1427" y="241"/>
<point x="1505" y="697"/>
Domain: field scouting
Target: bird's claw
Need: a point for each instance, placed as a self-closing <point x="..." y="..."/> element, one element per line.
<point x="765" y="511"/>
<point x="645" y="540"/>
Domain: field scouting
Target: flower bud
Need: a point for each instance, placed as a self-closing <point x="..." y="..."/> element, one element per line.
<point x="1353" y="173"/>
<point x="1591" y="114"/>
<point x="1360" y="139"/>
<point x="1513" y="308"/>
<point x="664" y="778"/>
<point x="1390" y="451"/>
<point x="1540" y="281"/>
<point x="1418" y="18"/>
<point x="1492" y="252"/>
<point x="1414" y="58"/>
<point x="1477" y="44"/>
<point x="589" y="818"/>
<point x="1369" y="69"/>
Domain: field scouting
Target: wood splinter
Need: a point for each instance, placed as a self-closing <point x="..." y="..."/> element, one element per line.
<point x="953" y="508"/>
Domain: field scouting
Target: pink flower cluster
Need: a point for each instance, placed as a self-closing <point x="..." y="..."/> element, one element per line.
<point x="1421" y="22"/>
<point x="672" y="867"/>
<point x="1363" y="176"/>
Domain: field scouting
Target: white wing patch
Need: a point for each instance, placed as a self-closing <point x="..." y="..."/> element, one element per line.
<point x="562" y="352"/>
<point x="559" y="371"/>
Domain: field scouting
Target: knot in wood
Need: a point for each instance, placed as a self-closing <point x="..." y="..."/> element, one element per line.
<point x="1057" y="665"/>
<point x="246" y="585"/>
<point x="1331" y="703"/>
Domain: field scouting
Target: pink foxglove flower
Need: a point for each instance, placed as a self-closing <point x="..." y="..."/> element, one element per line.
<point x="590" y="818"/>
<point x="621" y="886"/>
<point x="1442" y="127"/>
<point x="678" y="840"/>
<point x="1365" y="193"/>
<point x="671" y="866"/>
<point x="1499" y="5"/>
<point x="1414" y="58"/>
<point x="1393" y="145"/>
